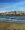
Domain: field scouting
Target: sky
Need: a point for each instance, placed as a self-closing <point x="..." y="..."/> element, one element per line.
<point x="12" y="5"/>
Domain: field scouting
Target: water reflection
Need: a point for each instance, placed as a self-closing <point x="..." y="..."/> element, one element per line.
<point x="18" y="19"/>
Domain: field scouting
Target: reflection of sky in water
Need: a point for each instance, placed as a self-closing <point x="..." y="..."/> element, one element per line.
<point x="17" y="19"/>
<point x="12" y="17"/>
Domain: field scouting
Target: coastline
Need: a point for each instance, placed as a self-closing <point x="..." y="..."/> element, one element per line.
<point x="19" y="13"/>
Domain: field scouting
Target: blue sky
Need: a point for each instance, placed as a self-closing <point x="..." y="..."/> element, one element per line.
<point x="12" y="5"/>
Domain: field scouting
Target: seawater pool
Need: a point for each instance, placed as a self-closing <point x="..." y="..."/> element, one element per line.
<point x="17" y="19"/>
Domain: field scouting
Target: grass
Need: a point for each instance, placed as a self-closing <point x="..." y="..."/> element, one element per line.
<point x="11" y="26"/>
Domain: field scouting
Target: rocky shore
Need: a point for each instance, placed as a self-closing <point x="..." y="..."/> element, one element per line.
<point x="11" y="26"/>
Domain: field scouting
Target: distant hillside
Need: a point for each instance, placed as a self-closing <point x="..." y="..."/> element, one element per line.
<point x="13" y="13"/>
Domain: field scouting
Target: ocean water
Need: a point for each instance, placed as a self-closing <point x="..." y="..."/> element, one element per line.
<point x="17" y="19"/>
